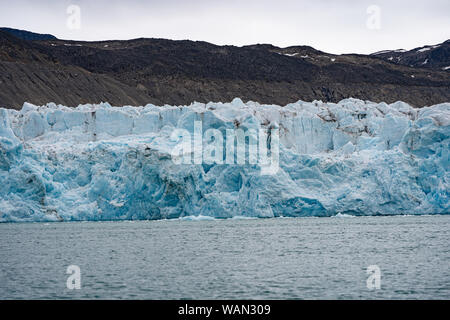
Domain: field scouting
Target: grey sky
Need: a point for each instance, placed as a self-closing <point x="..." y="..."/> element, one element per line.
<point x="332" y="26"/>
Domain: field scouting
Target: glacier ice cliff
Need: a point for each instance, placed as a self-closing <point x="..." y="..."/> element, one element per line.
<point x="98" y="162"/>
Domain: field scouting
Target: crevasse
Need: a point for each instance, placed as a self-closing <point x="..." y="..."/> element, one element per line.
<point x="97" y="162"/>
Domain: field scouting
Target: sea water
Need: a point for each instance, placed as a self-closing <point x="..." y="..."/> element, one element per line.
<point x="279" y="258"/>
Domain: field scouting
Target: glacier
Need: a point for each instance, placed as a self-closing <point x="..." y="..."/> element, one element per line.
<point x="99" y="162"/>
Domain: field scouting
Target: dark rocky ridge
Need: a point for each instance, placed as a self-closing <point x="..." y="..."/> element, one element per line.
<point x="435" y="57"/>
<point x="28" y="35"/>
<point x="159" y="71"/>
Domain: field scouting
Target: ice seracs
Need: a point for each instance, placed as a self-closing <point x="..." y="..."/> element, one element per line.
<point x="98" y="162"/>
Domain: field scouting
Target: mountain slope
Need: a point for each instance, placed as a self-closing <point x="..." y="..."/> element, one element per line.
<point x="27" y="74"/>
<point x="163" y="71"/>
<point x="435" y="57"/>
<point x="27" y="35"/>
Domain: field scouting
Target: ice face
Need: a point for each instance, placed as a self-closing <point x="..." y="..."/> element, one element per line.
<point x="98" y="162"/>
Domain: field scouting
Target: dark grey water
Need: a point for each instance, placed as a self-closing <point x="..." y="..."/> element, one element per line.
<point x="313" y="258"/>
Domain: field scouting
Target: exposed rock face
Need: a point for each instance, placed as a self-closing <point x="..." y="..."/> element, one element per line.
<point x="27" y="35"/>
<point x="435" y="57"/>
<point x="158" y="71"/>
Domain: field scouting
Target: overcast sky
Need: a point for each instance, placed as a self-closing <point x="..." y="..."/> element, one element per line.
<point x="339" y="26"/>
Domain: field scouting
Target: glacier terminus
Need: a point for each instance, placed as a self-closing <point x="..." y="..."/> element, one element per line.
<point x="99" y="162"/>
